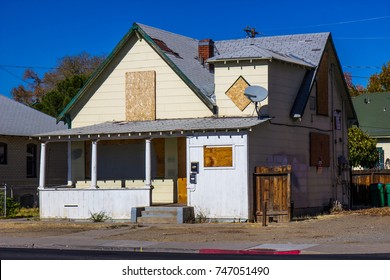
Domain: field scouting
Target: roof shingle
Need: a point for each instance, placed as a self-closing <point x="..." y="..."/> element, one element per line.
<point x="17" y="119"/>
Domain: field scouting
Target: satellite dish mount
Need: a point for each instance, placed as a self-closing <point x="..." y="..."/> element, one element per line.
<point x="256" y="94"/>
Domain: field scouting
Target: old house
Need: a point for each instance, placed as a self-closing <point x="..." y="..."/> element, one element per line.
<point x="19" y="153"/>
<point x="165" y="120"/>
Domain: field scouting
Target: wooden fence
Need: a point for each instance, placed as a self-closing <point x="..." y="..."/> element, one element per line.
<point x="272" y="189"/>
<point x="361" y="181"/>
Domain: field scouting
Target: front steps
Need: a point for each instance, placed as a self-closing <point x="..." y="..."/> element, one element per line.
<point x="162" y="215"/>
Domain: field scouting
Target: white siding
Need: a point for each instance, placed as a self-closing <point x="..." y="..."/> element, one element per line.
<point x="81" y="203"/>
<point x="384" y="143"/>
<point x="173" y="97"/>
<point x="226" y="75"/>
<point x="220" y="193"/>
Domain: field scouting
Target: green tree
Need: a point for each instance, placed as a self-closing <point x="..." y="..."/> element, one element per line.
<point x="53" y="102"/>
<point x="380" y="82"/>
<point x="81" y="65"/>
<point x="362" y="149"/>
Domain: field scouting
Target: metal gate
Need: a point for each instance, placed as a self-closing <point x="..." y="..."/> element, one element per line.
<point x="272" y="192"/>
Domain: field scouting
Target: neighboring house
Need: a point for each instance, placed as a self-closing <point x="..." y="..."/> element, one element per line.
<point x="19" y="153"/>
<point x="165" y="120"/>
<point x="373" y="112"/>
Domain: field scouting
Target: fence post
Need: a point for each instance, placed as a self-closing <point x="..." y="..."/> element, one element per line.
<point x="265" y="214"/>
<point x="5" y="200"/>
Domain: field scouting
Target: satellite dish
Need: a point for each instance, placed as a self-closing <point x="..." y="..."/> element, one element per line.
<point x="256" y="93"/>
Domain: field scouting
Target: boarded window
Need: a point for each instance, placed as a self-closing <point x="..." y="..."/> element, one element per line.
<point x="3" y="153"/>
<point x="141" y="96"/>
<point x="31" y="161"/>
<point x="319" y="149"/>
<point x="322" y="87"/>
<point x="218" y="156"/>
<point x="236" y="93"/>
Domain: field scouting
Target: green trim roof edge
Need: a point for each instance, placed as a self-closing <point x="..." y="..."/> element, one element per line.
<point x="304" y="91"/>
<point x="64" y="115"/>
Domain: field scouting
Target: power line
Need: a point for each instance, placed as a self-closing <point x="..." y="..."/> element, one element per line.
<point x="24" y="67"/>
<point x="328" y="24"/>
<point x="16" y="76"/>
<point x="362" y="67"/>
<point x="361" y="38"/>
<point x="40" y="67"/>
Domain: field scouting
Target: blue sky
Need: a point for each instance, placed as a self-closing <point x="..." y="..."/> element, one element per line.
<point x="38" y="33"/>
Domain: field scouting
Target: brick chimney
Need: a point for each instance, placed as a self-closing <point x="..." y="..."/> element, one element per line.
<point x="205" y="51"/>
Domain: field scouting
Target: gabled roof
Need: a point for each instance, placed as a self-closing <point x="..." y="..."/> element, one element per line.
<point x="185" y="57"/>
<point x="373" y="112"/>
<point x="303" y="49"/>
<point x="18" y="119"/>
<point x="179" y="52"/>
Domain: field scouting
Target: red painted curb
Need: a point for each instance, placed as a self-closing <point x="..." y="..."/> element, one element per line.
<point x="249" y="252"/>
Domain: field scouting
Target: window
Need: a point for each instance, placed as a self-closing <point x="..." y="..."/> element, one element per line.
<point x="3" y="153"/>
<point x="218" y="156"/>
<point x="319" y="149"/>
<point x="31" y="161"/>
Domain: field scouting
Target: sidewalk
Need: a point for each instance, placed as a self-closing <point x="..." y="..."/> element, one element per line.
<point x="95" y="240"/>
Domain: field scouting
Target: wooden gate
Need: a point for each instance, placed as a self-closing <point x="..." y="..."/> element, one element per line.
<point x="272" y="190"/>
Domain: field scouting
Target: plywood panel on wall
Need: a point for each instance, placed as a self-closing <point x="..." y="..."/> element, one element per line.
<point x="319" y="149"/>
<point x="236" y="93"/>
<point x="218" y="156"/>
<point x="322" y="87"/>
<point x="141" y="96"/>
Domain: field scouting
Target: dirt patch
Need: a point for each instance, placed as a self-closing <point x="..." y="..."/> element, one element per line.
<point x="31" y="228"/>
<point x="333" y="228"/>
<point x="351" y="227"/>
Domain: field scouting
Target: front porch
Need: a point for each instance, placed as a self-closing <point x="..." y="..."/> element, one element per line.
<point x="114" y="167"/>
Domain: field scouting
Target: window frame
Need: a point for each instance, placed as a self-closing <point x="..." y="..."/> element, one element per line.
<point x="5" y="154"/>
<point x="31" y="161"/>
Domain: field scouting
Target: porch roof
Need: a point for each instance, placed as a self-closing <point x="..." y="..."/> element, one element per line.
<point x="166" y="127"/>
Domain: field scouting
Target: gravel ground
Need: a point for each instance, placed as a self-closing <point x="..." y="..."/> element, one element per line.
<point x="368" y="226"/>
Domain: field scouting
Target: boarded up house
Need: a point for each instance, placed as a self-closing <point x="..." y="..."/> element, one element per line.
<point x="165" y="120"/>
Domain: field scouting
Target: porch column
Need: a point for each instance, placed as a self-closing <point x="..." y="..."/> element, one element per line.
<point x="42" y="168"/>
<point x="70" y="182"/>
<point x="94" y="165"/>
<point x="148" y="163"/>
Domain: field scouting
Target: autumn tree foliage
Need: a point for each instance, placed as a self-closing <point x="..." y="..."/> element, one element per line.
<point x="354" y="90"/>
<point x="69" y="69"/>
<point x="380" y="82"/>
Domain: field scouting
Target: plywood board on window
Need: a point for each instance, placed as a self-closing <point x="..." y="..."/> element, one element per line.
<point x="140" y="96"/>
<point x="319" y="149"/>
<point x="236" y="93"/>
<point x="218" y="156"/>
<point x="322" y="87"/>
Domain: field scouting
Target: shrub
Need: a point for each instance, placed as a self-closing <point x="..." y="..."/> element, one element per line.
<point x="99" y="217"/>
<point x="12" y="207"/>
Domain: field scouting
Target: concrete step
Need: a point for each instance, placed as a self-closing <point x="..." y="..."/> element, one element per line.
<point x="159" y="213"/>
<point x="157" y="220"/>
<point x="162" y="215"/>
